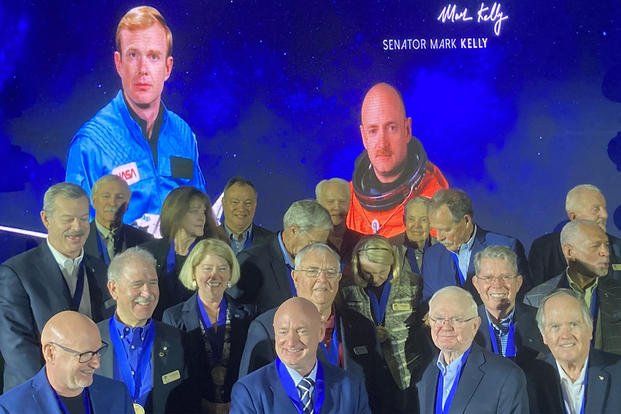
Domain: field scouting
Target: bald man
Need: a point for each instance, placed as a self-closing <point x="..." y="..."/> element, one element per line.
<point x="72" y="349"/>
<point x="297" y="381"/>
<point x="392" y="169"/>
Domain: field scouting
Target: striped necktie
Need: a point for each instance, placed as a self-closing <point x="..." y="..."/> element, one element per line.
<point x="304" y="389"/>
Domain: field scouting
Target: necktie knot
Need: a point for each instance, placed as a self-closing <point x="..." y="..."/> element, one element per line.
<point x="304" y="388"/>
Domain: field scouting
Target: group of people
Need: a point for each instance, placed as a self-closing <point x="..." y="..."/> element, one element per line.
<point x="381" y="295"/>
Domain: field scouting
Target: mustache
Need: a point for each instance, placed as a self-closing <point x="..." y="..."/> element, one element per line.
<point x="74" y="233"/>
<point x="141" y="300"/>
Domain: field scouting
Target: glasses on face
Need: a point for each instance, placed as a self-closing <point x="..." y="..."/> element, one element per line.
<point x="455" y="322"/>
<point x="314" y="272"/>
<point x="84" y="356"/>
<point x="501" y="278"/>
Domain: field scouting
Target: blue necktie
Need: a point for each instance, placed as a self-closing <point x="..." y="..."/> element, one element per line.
<point x="304" y="388"/>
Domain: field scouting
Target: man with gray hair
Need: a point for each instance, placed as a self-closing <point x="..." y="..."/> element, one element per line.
<point x="508" y="328"/>
<point x="583" y="202"/>
<point x="108" y="234"/>
<point x="586" y="250"/>
<point x="417" y="237"/>
<point x="150" y="357"/>
<point x="55" y="276"/>
<point x="573" y="378"/>
<point x="266" y="269"/>
<point x="466" y="377"/>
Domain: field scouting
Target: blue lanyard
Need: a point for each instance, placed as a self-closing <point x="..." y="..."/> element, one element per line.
<point x="103" y="248"/>
<point x="215" y="336"/>
<point x="510" y="351"/>
<point x="76" y="299"/>
<point x="411" y="254"/>
<point x="292" y="391"/>
<point x="440" y="388"/>
<point x="86" y="401"/>
<point x="378" y="307"/>
<point x="332" y="354"/>
<point x="172" y="256"/>
<point x="462" y="277"/>
<point x="133" y="383"/>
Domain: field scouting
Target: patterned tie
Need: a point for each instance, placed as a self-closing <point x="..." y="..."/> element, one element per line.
<point x="304" y="388"/>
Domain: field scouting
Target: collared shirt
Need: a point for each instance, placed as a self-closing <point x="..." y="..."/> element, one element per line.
<point x="501" y="329"/>
<point x="238" y="244"/>
<point x="155" y="132"/>
<point x="464" y="253"/>
<point x="449" y="373"/>
<point x="108" y="236"/>
<point x="70" y="269"/>
<point x="573" y="392"/>
<point x="296" y="377"/>
<point x="285" y="253"/>
<point x="587" y="295"/>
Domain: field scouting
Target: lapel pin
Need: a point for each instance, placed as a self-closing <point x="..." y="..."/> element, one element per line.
<point x="601" y="378"/>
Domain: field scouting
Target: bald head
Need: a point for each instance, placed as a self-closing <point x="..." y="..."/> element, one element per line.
<point x="586" y="248"/>
<point x="68" y="326"/>
<point x="333" y="194"/>
<point x="586" y="202"/>
<point x="386" y="95"/>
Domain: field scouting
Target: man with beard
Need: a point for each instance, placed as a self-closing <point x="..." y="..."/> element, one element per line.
<point x="393" y="168"/>
<point x="55" y="276"/>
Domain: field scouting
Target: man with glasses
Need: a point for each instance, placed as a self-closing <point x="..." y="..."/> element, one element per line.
<point x="507" y="328"/>
<point x="349" y="341"/>
<point x="72" y="349"/>
<point x="266" y="269"/>
<point x="466" y="376"/>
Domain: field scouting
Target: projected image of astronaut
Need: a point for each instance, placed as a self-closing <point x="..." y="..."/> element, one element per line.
<point x="393" y="168"/>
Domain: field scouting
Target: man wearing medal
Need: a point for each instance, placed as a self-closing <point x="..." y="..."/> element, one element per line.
<point x="574" y="378"/>
<point x="297" y="382"/>
<point x="508" y="328"/>
<point x="466" y="376"/>
<point x="151" y="358"/>
<point x="72" y="349"/>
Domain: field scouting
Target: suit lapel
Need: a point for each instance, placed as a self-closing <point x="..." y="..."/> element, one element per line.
<point x="107" y="359"/>
<point x="478" y="244"/>
<point x="46" y="265"/>
<point x="597" y="387"/>
<point x="280" y="268"/>
<point x="43" y="395"/>
<point x="470" y="378"/>
<point x="189" y="314"/>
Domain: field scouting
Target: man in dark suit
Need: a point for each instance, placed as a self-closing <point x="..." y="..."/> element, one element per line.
<point x="72" y="349"/>
<point x="52" y="277"/>
<point x="239" y="204"/>
<point x="151" y="358"/>
<point x="583" y="202"/>
<point x="554" y="383"/>
<point x="466" y="378"/>
<point x="266" y="269"/>
<point x="451" y="261"/>
<point x="108" y="234"/>
<point x="417" y="238"/>
<point x="507" y="328"/>
<point x="585" y="246"/>
<point x="297" y="380"/>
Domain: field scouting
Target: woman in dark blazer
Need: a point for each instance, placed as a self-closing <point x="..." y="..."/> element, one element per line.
<point x="212" y="317"/>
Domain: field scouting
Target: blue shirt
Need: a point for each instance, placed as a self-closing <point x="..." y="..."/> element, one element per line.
<point x="296" y="377"/>
<point x="501" y="331"/>
<point x="464" y="253"/>
<point x="238" y="244"/>
<point x="450" y="372"/>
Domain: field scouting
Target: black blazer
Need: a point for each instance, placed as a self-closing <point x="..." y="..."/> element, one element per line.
<point x="32" y="290"/>
<point x="173" y="355"/>
<point x="602" y="390"/>
<point x="127" y="235"/>
<point x="185" y="316"/>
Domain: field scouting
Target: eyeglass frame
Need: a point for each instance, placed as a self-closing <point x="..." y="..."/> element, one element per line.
<point x="502" y="278"/>
<point x="454" y="322"/>
<point x="102" y="350"/>
<point x="326" y="272"/>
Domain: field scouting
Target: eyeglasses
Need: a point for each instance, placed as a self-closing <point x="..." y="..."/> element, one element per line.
<point x="84" y="356"/>
<point x="501" y="278"/>
<point x="455" y="322"/>
<point x="314" y="273"/>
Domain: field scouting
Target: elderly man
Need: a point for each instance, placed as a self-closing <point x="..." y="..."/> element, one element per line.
<point x="392" y="169"/>
<point x="135" y="136"/>
<point x="50" y="278"/>
<point x="239" y="204"/>
<point x="333" y="194"/>
<point x="574" y="378"/>
<point x="451" y="261"/>
<point x="72" y="349"/>
<point x="466" y="378"/>
<point x="297" y="381"/>
<point x="508" y="328"/>
<point x="350" y="341"/>
<point x="266" y="269"/>
<point x="147" y="355"/>
<point x="417" y="237"/>
<point x="583" y="202"/>
<point x="586" y="250"/>
<point x="108" y="234"/>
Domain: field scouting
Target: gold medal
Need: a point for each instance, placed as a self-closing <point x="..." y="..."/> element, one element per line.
<point x="138" y="409"/>
<point x="218" y="374"/>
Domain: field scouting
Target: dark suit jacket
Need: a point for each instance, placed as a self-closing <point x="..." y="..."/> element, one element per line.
<point x="361" y="355"/>
<point x="440" y="268"/>
<point x="171" y="354"/>
<point x="185" y="316"/>
<point x="265" y="278"/>
<point x="32" y="290"/>
<point x="609" y="297"/>
<point x="602" y="391"/>
<point x="262" y="392"/>
<point x="260" y="234"/>
<point x="546" y="258"/>
<point x="488" y="384"/>
<point x="127" y="235"/>
<point x="36" y="396"/>
<point x="528" y="339"/>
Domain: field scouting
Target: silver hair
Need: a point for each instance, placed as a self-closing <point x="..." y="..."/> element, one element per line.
<point x="572" y="230"/>
<point x="307" y="215"/>
<point x="120" y="262"/>
<point x="586" y="313"/>
<point x="316" y="247"/>
<point x="320" y="187"/>
<point x="572" y="200"/>
<point x="496" y="252"/>
<point x="66" y="190"/>
<point x="109" y="179"/>
<point x="456" y="290"/>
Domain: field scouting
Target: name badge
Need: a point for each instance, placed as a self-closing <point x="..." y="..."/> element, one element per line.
<point x="171" y="376"/>
<point x="616" y="266"/>
<point x="128" y="172"/>
<point x="401" y="306"/>
<point x="361" y="350"/>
